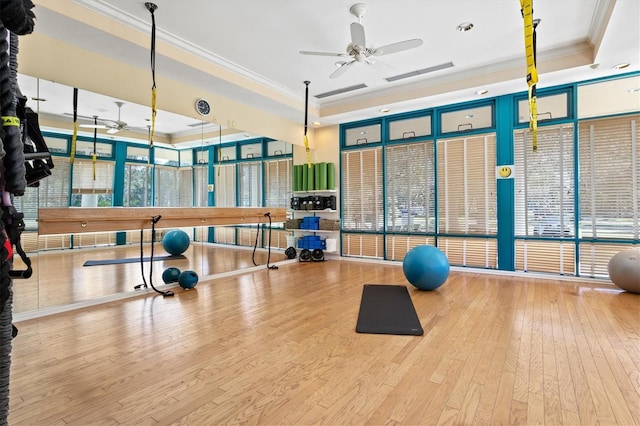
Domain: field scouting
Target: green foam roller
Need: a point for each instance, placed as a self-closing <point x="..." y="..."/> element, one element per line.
<point x="317" y="172"/>
<point x="310" y="177"/>
<point x="299" y="170"/>
<point x="331" y="176"/>
<point x="323" y="176"/>
<point x="304" y="178"/>
<point x="294" y="178"/>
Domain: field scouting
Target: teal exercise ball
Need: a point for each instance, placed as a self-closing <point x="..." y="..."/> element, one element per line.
<point x="188" y="279"/>
<point x="175" y="242"/>
<point x="171" y="275"/>
<point x="426" y="267"/>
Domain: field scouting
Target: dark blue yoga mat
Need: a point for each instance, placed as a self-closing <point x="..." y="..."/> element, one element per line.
<point x="131" y="260"/>
<point x="387" y="309"/>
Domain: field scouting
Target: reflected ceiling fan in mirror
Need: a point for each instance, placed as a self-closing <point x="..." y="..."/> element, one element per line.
<point x="112" y="126"/>
<point x="358" y="51"/>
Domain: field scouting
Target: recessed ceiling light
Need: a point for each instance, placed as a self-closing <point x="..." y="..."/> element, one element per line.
<point x="316" y="123"/>
<point x="482" y="92"/>
<point x="464" y="27"/>
<point x="621" y="66"/>
<point x="385" y="110"/>
<point x="594" y="66"/>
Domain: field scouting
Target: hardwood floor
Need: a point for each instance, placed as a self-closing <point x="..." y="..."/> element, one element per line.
<point x="280" y="347"/>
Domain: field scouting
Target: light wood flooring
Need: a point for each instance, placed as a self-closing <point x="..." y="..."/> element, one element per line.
<point x="60" y="278"/>
<point x="279" y="347"/>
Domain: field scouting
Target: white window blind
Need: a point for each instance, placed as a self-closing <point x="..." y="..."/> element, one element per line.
<point x="84" y="181"/>
<point x="165" y="185"/>
<point x="185" y="183"/>
<point x="137" y="185"/>
<point x="467" y="185"/>
<point x="410" y="188"/>
<point x="609" y="178"/>
<point x="201" y="186"/>
<point x="278" y="182"/>
<point x="544" y="182"/>
<point x="225" y="186"/>
<point x="250" y="175"/>
<point x="362" y="188"/>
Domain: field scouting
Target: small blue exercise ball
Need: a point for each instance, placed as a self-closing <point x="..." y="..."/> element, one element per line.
<point x="188" y="279"/>
<point x="171" y="275"/>
<point x="175" y="242"/>
<point x="426" y="267"/>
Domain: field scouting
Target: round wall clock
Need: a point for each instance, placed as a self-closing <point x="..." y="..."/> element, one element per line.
<point x="203" y="107"/>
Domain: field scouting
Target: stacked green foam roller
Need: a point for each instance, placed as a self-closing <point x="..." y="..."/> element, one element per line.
<point x="318" y="177"/>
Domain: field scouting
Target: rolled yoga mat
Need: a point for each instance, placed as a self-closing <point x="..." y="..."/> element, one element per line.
<point x="310" y="178"/>
<point x="323" y="176"/>
<point x="331" y="176"/>
<point x="305" y="177"/>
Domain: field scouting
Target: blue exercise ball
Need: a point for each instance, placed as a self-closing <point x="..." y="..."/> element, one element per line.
<point x="188" y="279"/>
<point x="171" y="275"/>
<point x="175" y="242"/>
<point x="426" y="267"/>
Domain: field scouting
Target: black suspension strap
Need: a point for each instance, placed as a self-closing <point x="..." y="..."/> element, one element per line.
<point x="151" y="7"/>
<point x="306" y="118"/>
<point x="154" y="220"/>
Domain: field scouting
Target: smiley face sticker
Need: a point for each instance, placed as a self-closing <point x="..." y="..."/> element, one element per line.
<point x="504" y="172"/>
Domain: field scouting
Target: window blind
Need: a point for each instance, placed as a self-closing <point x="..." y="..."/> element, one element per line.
<point x="363" y="245"/>
<point x="186" y="185"/>
<point x="544" y="182"/>
<point x="609" y="178"/>
<point x="83" y="177"/>
<point x="165" y="183"/>
<point x="201" y="186"/>
<point x="362" y="207"/>
<point x="225" y="187"/>
<point x="410" y="188"/>
<point x="278" y="182"/>
<point x="250" y="184"/>
<point x="137" y="185"/>
<point x="467" y="185"/>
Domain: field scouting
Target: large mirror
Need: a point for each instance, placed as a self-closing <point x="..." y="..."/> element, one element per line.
<point x="192" y="162"/>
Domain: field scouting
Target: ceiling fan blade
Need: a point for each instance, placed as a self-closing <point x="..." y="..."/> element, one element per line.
<point x="380" y="66"/>
<point x="94" y="126"/>
<point x="357" y="35"/>
<point x="305" y="52"/>
<point x="343" y="68"/>
<point x="398" y="47"/>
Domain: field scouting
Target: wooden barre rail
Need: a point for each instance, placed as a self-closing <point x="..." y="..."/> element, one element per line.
<point x="74" y="220"/>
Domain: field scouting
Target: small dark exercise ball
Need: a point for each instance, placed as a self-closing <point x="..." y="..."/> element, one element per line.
<point x="426" y="267"/>
<point x="188" y="279"/>
<point x="171" y="275"/>
<point x="175" y="242"/>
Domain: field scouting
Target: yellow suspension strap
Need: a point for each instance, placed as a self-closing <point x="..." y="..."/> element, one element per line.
<point x="306" y="117"/>
<point x="74" y="138"/>
<point x="151" y="7"/>
<point x="532" y="73"/>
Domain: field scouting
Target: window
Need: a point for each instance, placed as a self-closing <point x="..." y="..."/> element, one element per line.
<point x="57" y="145"/>
<point x="276" y="148"/>
<point x="166" y="157"/>
<point x="103" y="150"/>
<point x="252" y="150"/>
<point x="92" y="188"/>
<point x="467" y="185"/>
<point x="410" y="128"/>
<point x="186" y="158"/>
<point x="278" y="182"/>
<point x="225" y="187"/>
<point x="165" y="183"/>
<point x="185" y="182"/>
<point x="137" y="153"/>
<point x="609" y="97"/>
<point x="250" y="184"/>
<point x="467" y="119"/>
<point x="201" y="186"/>
<point x="609" y="178"/>
<point x="548" y="107"/>
<point x="226" y="153"/>
<point x="363" y="135"/>
<point x="137" y="185"/>
<point x="410" y="188"/>
<point x="362" y="208"/>
<point x="544" y="183"/>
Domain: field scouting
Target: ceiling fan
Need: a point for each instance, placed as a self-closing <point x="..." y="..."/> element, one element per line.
<point x="112" y="126"/>
<point x="358" y="51"/>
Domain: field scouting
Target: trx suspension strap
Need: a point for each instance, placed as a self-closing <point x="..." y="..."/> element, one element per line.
<point x="306" y="117"/>
<point x="219" y="148"/>
<point x="532" y="73"/>
<point x="75" y="125"/>
<point x="152" y="8"/>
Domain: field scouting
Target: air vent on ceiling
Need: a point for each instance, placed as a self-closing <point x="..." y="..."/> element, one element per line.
<point x="343" y="90"/>
<point x="418" y="72"/>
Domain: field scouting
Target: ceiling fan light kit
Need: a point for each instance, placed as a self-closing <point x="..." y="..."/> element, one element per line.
<point x="358" y="50"/>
